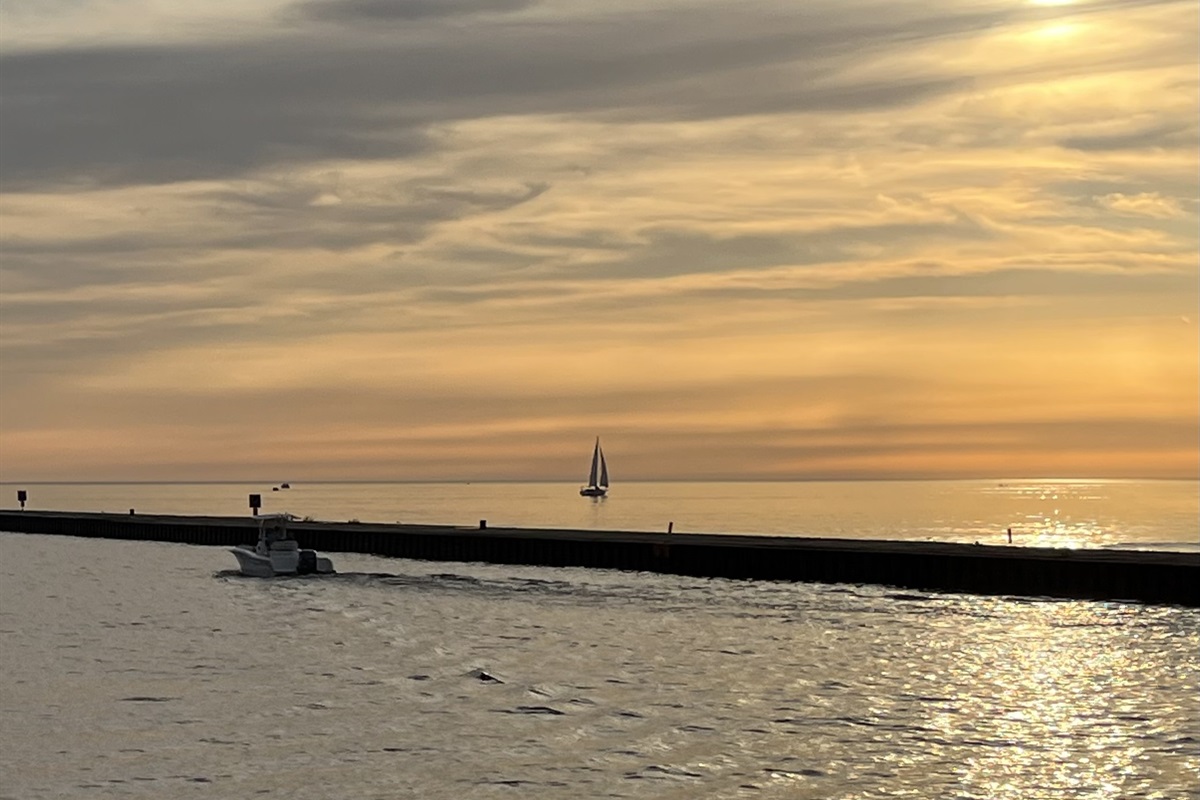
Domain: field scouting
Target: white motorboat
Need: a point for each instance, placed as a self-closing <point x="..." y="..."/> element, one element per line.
<point x="277" y="553"/>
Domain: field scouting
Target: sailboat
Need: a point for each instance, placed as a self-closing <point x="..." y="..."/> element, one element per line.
<point x="598" y="477"/>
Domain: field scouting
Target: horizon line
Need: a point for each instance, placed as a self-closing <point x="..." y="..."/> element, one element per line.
<point x="418" y="481"/>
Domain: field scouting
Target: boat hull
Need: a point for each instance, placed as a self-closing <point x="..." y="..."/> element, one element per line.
<point x="252" y="564"/>
<point x="592" y="491"/>
<point x="256" y="565"/>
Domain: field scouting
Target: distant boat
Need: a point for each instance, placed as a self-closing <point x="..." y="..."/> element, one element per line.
<point x="598" y="477"/>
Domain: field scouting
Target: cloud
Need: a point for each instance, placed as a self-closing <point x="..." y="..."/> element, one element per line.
<point x="147" y="113"/>
<point x="1150" y="204"/>
<point x="373" y="12"/>
<point x="1124" y="137"/>
<point x="666" y="252"/>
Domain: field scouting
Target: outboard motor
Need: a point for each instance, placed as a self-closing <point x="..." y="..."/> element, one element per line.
<point x="308" y="562"/>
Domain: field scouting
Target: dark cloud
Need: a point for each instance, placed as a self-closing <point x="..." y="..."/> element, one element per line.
<point x="1031" y="282"/>
<point x="163" y="113"/>
<point x="160" y="115"/>
<point x="491" y="200"/>
<point x="1121" y="290"/>
<point x="669" y="251"/>
<point x="249" y="219"/>
<point x="1164" y="135"/>
<point x="372" y="12"/>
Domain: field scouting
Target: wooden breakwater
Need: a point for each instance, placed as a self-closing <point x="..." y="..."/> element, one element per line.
<point x="1150" y="577"/>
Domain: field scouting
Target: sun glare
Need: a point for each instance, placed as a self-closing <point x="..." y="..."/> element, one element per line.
<point x="1061" y="30"/>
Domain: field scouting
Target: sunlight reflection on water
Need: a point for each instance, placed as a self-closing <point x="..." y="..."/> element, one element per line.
<point x="1048" y="688"/>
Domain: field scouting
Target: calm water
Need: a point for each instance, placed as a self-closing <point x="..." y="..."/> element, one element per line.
<point x="1057" y="513"/>
<point x="142" y="669"/>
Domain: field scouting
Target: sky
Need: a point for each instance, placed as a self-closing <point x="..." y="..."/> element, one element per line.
<point x="460" y="239"/>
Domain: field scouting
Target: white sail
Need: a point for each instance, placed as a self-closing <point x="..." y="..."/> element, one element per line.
<point x="595" y="464"/>
<point x="597" y="485"/>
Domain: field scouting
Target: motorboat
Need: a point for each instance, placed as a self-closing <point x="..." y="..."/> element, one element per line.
<point x="277" y="553"/>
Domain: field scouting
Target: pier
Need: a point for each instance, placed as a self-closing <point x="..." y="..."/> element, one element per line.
<point x="1119" y="575"/>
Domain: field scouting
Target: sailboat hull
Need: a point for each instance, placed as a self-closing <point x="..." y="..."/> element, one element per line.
<point x="592" y="491"/>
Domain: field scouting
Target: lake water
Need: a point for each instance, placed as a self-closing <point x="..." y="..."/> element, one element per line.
<point x="149" y="670"/>
<point x="143" y="669"/>
<point x="1068" y="513"/>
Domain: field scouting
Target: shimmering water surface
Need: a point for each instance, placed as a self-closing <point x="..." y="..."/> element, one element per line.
<point x="141" y="669"/>
<point x="1046" y="512"/>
